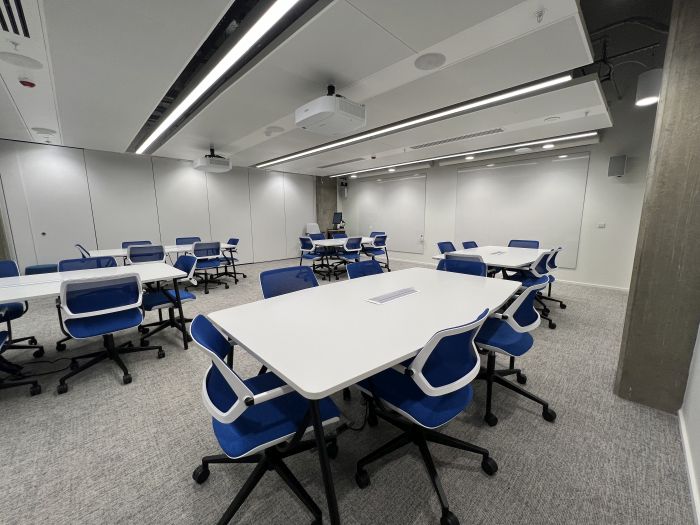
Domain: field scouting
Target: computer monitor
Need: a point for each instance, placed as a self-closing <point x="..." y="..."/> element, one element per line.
<point x="337" y="217"/>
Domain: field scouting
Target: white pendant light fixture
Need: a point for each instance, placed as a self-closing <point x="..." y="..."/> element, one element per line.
<point x="649" y="87"/>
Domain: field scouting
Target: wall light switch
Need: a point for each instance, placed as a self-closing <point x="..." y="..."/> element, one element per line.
<point x="601" y="225"/>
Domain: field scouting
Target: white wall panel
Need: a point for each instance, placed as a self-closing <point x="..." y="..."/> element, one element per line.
<point x="299" y="208"/>
<point x="229" y="209"/>
<point x="183" y="208"/>
<point x="267" y="213"/>
<point x="123" y="198"/>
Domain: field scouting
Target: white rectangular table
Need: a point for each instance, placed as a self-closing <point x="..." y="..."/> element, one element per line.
<point x="502" y="256"/>
<point x="336" y="243"/>
<point x="28" y="287"/>
<point x="276" y="331"/>
<point x="170" y="248"/>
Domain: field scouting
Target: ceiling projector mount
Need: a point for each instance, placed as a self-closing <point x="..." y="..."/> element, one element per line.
<point x="331" y="114"/>
<point x="212" y="163"/>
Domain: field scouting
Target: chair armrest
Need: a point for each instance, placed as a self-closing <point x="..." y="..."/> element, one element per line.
<point x="269" y="395"/>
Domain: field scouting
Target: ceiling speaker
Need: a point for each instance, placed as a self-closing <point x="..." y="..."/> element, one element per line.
<point x="617" y="166"/>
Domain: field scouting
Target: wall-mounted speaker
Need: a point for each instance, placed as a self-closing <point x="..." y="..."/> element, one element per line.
<point x="617" y="166"/>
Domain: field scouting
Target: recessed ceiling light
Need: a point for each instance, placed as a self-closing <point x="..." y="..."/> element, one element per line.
<point x="430" y="61"/>
<point x="648" y="101"/>
<point x="20" y="60"/>
<point x="392" y="170"/>
<point x="271" y="130"/>
<point x="266" y="21"/>
<point x="469" y="157"/>
<point x="421" y="119"/>
<point x="562" y="156"/>
<point x="562" y="138"/>
<point x="523" y="150"/>
<point x="490" y="165"/>
<point x="548" y="146"/>
<point x="552" y="119"/>
<point x="44" y="131"/>
<point x="648" y="87"/>
<point x="353" y="176"/>
<point x="379" y="180"/>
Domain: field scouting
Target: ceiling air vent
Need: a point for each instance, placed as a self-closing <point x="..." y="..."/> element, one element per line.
<point x="461" y="137"/>
<point x="12" y="17"/>
<point x="340" y="163"/>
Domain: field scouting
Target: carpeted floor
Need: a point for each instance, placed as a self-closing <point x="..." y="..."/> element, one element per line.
<point x="109" y="453"/>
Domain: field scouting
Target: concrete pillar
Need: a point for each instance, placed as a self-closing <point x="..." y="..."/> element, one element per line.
<point x="326" y="201"/>
<point x="663" y="309"/>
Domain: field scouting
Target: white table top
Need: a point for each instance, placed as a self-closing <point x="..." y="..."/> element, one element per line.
<point x="170" y="248"/>
<point x="338" y="242"/>
<point x="502" y="256"/>
<point x="322" y="339"/>
<point x="27" y="287"/>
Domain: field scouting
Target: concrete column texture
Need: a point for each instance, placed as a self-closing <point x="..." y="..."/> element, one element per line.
<point x="326" y="201"/>
<point x="663" y="308"/>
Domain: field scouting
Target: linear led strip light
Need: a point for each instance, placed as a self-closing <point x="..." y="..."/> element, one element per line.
<point x="421" y="119"/>
<point x="273" y="15"/>
<point x="563" y="138"/>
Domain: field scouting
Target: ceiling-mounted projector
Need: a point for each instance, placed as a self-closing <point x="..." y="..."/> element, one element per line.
<point x="212" y="163"/>
<point x="331" y="114"/>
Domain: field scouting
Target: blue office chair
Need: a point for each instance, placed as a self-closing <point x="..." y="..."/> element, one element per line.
<point x="101" y="306"/>
<point x="282" y="281"/>
<point x="552" y="265"/>
<point x="83" y="251"/>
<point x="259" y="420"/>
<point x="145" y="253"/>
<point x="180" y="241"/>
<point x="446" y="247"/>
<point x="163" y="298"/>
<point x="11" y="311"/>
<point x="340" y="235"/>
<point x="14" y="373"/>
<point x="126" y="244"/>
<point x="209" y="258"/>
<point x="528" y="276"/>
<point x="349" y="253"/>
<point x="363" y="269"/>
<point x="507" y="333"/>
<point x="465" y="265"/>
<point x="308" y="252"/>
<point x="316" y="236"/>
<point x="469" y="244"/>
<point x="523" y="243"/>
<point x="377" y="248"/>
<point x="423" y="394"/>
<point x="229" y="259"/>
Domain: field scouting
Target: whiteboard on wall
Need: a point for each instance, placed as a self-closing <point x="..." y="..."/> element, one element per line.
<point x="538" y="199"/>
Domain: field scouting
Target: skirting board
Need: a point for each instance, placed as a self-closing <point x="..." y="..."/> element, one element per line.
<point x="692" y="475"/>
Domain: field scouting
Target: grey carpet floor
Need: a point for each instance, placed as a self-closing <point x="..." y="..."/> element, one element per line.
<point x="109" y="453"/>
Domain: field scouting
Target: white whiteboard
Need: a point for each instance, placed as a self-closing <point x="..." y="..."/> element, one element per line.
<point x="539" y="199"/>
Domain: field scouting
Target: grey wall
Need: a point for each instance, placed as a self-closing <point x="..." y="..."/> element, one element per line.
<point x="690" y="425"/>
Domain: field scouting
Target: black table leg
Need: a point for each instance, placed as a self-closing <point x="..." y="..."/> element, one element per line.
<point x="179" y="311"/>
<point x="325" y="463"/>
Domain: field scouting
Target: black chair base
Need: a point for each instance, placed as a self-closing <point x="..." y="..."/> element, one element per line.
<point x="32" y="344"/>
<point x="271" y="459"/>
<point x="111" y="352"/>
<point x="385" y="265"/>
<point x="208" y="280"/>
<point x="544" y="313"/>
<point x="147" y="329"/>
<point x="233" y="272"/>
<point x="491" y="376"/>
<point x="15" y="378"/>
<point x="420" y="437"/>
<point x="549" y="297"/>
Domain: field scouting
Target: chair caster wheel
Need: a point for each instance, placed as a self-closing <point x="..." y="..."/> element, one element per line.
<point x="39" y="353"/>
<point x="144" y="330"/>
<point x="332" y="449"/>
<point x="206" y="292"/>
<point x="144" y="343"/>
<point x="161" y="353"/>
<point x="74" y="365"/>
<point x="552" y="325"/>
<point x="521" y="378"/>
<point x="226" y="286"/>
<point x="548" y="414"/>
<point x="562" y="306"/>
<point x="362" y="479"/>
<point x="489" y="466"/>
<point x="62" y="388"/>
<point x="60" y="347"/>
<point x="126" y="379"/>
<point x="491" y="419"/>
<point x="32" y="341"/>
<point x="200" y="474"/>
<point x="448" y="518"/>
<point x="35" y="390"/>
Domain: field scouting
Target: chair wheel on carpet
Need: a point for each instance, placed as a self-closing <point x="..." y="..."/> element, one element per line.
<point x="562" y="306"/>
<point x="200" y="474"/>
<point x="448" y="518"/>
<point x="39" y="352"/>
<point x="62" y="388"/>
<point x="60" y="347"/>
<point x="521" y="378"/>
<point x="143" y="330"/>
<point x="552" y="325"/>
<point x="226" y="286"/>
<point x="161" y="353"/>
<point x="489" y="466"/>
<point x="126" y="379"/>
<point x="32" y="341"/>
<point x="491" y="419"/>
<point x="548" y="414"/>
<point x="35" y="390"/>
<point x="362" y="479"/>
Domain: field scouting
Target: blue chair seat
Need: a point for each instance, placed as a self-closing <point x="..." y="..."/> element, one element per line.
<point x="103" y="324"/>
<point x="551" y="278"/>
<point x="375" y="251"/>
<point x="12" y="311"/>
<point x="206" y="264"/>
<point x="164" y="298"/>
<point x="311" y="256"/>
<point x="499" y="335"/>
<point x="402" y="392"/>
<point x="40" y="268"/>
<point x="266" y="422"/>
